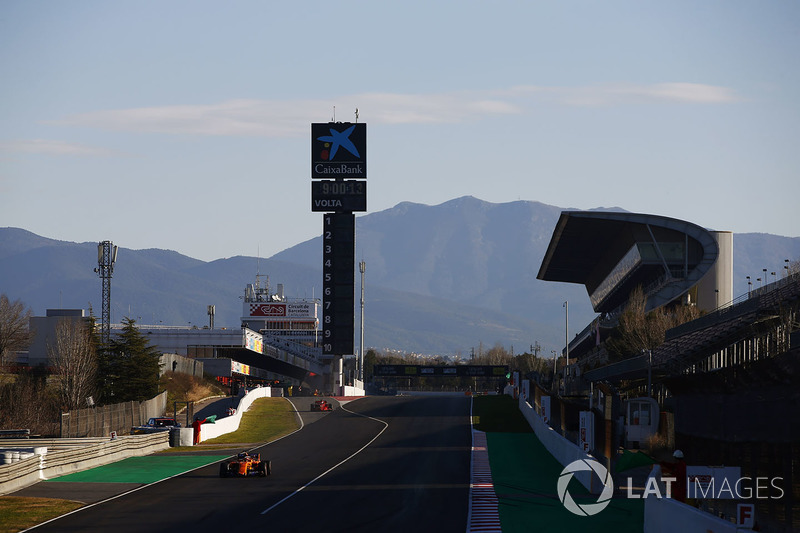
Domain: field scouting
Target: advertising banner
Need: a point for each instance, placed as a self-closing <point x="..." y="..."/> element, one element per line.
<point x="283" y="310"/>
<point x="545" y="408"/>
<point x="338" y="150"/>
<point x="586" y="431"/>
<point x="240" y="368"/>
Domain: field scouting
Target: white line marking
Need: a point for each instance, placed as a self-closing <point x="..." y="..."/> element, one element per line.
<point x="89" y="506"/>
<point x="385" y="426"/>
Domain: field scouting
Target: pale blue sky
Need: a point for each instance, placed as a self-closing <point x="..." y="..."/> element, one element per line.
<point x="186" y="125"/>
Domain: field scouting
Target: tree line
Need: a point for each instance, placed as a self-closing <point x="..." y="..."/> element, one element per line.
<point x="82" y="370"/>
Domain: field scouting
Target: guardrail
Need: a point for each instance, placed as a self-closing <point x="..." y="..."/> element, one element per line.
<point x="57" y="457"/>
<point x="15" y="433"/>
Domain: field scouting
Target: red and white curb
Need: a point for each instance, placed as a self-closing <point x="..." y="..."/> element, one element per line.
<point x="483" y="514"/>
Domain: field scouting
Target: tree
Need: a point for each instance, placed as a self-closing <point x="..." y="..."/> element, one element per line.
<point x="639" y="330"/>
<point x="74" y="359"/>
<point x="129" y="367"/>
<point x="497" y="355"/>
<point x="369" y="361"/>
<point x="527" y="362"/>
<point x="28" y="403"/>
<point x="14" y="332"/>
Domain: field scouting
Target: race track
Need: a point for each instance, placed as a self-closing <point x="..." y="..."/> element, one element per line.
<point x="378" y="463"/>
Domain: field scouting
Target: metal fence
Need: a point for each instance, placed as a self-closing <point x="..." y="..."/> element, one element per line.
<point x="119" y="417"/>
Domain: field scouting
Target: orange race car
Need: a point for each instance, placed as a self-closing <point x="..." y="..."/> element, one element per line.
<point x="245" y="465"/>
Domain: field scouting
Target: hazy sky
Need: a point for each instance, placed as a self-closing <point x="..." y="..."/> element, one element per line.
<point x="185" y="125"/>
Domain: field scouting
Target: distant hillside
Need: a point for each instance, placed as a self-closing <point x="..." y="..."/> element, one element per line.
<point x="467" y="251"/>
<point x="479" y="253"/>
<point x="439" y="279"/>
<point x="163" y="287"/>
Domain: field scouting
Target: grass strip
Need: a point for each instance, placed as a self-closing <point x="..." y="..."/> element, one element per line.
<point x="498" y="414"/>
<point x="267" y="419"/>
<point x="18" y="513"/>
<point x="525" y="477"/>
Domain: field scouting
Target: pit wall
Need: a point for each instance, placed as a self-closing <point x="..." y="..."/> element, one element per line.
<point x="563" y="450"/>
<point x="665" y="515"/>
<point x="661" y="515"/>
<point x="231" y="423"/>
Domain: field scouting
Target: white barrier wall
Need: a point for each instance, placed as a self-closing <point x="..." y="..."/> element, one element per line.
<point x="353" y="391"/>
<point x="559" y="447"/>
<point x="665" y="515"/>
<point x="231" y="423"/>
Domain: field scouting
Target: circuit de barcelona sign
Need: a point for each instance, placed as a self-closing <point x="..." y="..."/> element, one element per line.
<point x="338" y="150"/>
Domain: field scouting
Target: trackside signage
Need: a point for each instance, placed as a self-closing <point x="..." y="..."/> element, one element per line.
<point x="338" y="150"/>
<point x="488" y="371"/>
<point x="281" y="310"/>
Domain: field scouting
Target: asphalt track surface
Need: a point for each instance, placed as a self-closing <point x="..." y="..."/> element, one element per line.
<point x="375" y="464"/>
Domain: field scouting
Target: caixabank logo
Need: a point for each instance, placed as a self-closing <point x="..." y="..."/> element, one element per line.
<point x="338" y="150"/>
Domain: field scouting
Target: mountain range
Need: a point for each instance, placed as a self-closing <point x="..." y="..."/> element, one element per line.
<point x="445" y="279"/>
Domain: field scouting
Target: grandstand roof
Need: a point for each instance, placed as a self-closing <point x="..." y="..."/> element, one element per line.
<point x="610" y="253"/>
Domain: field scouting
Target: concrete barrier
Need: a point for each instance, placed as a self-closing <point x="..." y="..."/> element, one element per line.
<point x="14" y="476"/>
<point x="353" y="391"/>
<point x="665" y="515"/>
<point x="231" y="423"/>
<point x="661" y="515"/>
<point x="66" y="456"/>
<point x="559" y="447"/>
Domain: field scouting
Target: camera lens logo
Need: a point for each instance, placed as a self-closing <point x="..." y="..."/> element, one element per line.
<point x="586" y="509"/>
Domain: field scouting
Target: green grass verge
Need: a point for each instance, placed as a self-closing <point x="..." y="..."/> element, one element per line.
<point x="498" y="414"/>
<point x="17" y="513"/>
<point x="525" y="477"/>
<point x="266" y="420"/>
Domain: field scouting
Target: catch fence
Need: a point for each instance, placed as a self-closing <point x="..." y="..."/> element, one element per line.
<point x="118" y="417"/>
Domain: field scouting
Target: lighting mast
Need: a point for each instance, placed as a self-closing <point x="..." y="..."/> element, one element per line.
<point x="106" y="257"/>
<point x="362" y="267"/>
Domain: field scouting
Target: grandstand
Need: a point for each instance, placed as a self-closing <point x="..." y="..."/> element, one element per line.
<point x="727" y="383"/>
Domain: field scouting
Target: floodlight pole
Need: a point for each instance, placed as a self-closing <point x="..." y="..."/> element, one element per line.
<point x="362" y="267"/>
<point x="106" y="257"/>
<point x="566" y="339"/>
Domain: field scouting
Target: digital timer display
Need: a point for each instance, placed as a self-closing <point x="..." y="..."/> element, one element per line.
<point x="343" y="187"/>
<point x="340" y="196"/>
